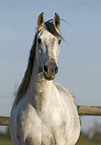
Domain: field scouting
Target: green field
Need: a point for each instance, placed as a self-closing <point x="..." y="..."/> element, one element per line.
<point x="82" y="141"/>
<point x="5" y="142"/>
<point x="85" y="141"/>
<point x="5" y="139"/>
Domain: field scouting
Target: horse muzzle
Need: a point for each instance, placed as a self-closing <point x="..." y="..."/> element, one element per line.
<point x="50" y="69"/>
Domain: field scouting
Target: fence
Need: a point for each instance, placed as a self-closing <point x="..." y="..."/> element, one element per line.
<point x="82" y="110"/>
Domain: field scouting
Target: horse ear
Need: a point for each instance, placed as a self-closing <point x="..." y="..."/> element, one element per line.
<point x="56" y="21"/>
<point x="40" y="20"/>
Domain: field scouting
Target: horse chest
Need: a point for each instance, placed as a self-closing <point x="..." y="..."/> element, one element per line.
<point x="49" y="114"/>
<point x="44" y="126"/>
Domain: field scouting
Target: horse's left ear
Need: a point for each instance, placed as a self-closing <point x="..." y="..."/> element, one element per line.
<point x="40" y="20"/>
<point x="56" y="21"/>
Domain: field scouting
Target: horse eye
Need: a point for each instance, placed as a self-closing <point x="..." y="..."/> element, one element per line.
<point x="39" y="40"/>
<point x="59" y="41"/>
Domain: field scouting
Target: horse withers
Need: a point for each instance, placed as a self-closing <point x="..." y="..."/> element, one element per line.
<point x="44" y="112"/>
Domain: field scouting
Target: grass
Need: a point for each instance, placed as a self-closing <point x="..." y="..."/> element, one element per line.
<point x="82" y="141"/>
<point x="6" y="142"/>
<point x="85" y="141"/>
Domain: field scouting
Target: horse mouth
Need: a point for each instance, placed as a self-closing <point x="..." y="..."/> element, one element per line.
<point x="49" y="78"/>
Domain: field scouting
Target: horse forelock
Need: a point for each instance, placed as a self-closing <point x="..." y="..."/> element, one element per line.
<point x="52" y="28"/>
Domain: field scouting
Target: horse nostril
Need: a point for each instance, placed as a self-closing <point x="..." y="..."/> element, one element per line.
<point x="56" y="69"/>
<point x="45" y="69"/>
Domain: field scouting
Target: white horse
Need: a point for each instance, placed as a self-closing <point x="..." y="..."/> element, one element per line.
<point x="44" y="112"/>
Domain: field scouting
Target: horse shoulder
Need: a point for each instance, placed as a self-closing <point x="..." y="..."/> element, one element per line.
<point x="71" y="113"/>
<point x="67" y="91"/>
<point x="26" y="122"/>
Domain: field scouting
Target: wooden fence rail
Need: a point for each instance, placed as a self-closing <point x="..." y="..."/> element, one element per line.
<point x="82" y="110"/>
<point x="4" y="121"/>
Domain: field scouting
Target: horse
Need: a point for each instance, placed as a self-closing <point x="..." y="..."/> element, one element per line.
<point x="44" y="112"/>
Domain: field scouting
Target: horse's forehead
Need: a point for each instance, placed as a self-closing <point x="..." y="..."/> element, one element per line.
<point x="45" y="34"/>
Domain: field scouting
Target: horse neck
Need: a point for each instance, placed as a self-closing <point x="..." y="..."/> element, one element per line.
<point x="39" y="87"/>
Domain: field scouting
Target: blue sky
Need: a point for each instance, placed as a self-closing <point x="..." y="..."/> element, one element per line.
<point x="80" y="55"/>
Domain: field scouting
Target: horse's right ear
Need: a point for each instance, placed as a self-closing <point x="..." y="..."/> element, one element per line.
<point x="40" y="21"/>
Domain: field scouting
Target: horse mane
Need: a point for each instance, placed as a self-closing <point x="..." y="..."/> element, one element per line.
<point x="28" y="73"/>
<point x="27" y="76"/>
